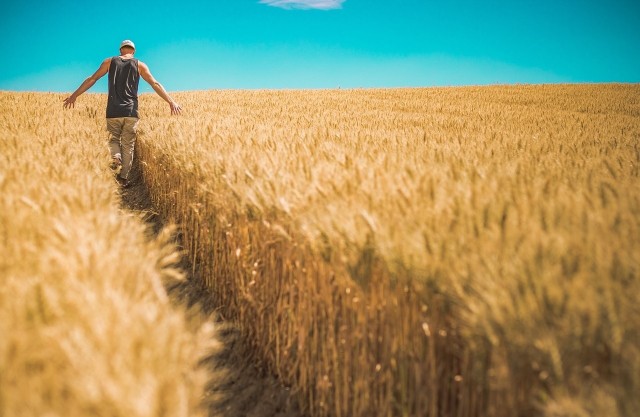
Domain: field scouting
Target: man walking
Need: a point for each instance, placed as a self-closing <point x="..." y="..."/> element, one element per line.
<point x="122" y="105"/>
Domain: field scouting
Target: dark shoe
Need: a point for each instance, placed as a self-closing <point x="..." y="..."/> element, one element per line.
<point x="116" y="165"/>
<point x="124" y="183"/>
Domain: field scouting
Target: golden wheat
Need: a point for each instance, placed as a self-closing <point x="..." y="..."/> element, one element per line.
<point x="85" y="325"/>
<point x="456" y="251"/>
<point x="447" y="251"/>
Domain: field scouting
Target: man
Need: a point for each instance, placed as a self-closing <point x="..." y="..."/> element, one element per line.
<point x="122" y="106"/>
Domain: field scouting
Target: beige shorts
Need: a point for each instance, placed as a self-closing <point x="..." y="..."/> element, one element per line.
<point x="122" y="140"/>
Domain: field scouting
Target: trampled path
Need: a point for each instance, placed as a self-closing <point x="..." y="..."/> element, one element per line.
<point x="236" y="387"/>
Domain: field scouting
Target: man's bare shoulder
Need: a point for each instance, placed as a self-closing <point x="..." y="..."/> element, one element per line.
<point x="102" y="70"/>
<point x="144" y="71"/>
<point x="105" y="63"/>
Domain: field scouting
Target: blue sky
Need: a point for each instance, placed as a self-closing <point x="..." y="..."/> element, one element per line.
<point x="256" y="44"/>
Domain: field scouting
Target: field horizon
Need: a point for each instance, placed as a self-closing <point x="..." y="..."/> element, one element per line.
<point x="338" y="88"/>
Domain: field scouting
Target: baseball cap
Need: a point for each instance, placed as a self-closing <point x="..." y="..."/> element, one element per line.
<point x="127" y="42"/>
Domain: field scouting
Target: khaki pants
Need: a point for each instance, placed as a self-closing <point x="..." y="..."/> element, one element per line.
<point x="122" y="140"/>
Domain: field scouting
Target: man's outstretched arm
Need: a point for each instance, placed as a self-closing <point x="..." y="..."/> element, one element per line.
<point x="158" y="88"/>
<point x="88" y="83"/>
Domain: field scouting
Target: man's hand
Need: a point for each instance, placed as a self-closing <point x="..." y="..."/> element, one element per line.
<point x="69" y="102"/>
<point x="175" y="108"/>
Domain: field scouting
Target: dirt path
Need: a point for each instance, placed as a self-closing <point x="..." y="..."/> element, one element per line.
<point x="237" y="386"/>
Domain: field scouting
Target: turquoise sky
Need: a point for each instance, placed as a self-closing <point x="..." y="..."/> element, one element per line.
<point x="253" y="44"/>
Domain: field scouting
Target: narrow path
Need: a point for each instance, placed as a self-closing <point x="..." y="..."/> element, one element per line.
<point x="237" y="387"/>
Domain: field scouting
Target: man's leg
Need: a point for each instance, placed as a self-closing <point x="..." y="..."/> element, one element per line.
<point x="114" y="127"/>
<point x="128" y="142"/>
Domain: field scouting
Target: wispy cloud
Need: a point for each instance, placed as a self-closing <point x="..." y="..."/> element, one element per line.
<point x="305" y="4"/>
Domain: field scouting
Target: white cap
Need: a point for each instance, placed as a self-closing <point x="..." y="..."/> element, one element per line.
<point x="127" y="42"/>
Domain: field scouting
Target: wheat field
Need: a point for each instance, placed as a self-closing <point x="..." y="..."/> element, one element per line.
<point x="462" y="251"/>
<point x="86" y="327"/>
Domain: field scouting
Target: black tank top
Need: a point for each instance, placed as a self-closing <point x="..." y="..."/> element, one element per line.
<point x="123" y="88"/>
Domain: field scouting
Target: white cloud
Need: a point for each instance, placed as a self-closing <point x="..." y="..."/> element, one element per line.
<point x="305" y="4"/>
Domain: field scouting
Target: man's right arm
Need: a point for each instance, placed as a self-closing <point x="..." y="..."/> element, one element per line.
<point x="88" y="83"/>
<point x="158" y="88"/>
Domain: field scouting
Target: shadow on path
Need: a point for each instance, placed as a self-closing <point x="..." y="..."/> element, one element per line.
<point x="236" y="387"/>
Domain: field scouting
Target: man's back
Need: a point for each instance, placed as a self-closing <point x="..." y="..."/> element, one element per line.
<point x="124" y="77"/>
